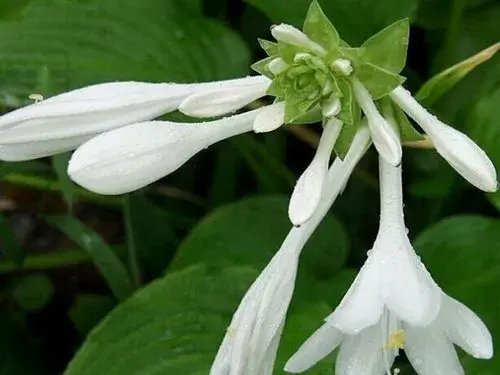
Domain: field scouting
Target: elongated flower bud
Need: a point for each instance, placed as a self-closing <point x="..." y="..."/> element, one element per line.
<point x="133" y="156"/>
<point x="465" y="156"/>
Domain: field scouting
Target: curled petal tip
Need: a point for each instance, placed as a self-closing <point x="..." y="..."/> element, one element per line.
<point x="270" y="118"/>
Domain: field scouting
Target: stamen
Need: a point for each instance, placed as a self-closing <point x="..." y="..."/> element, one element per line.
<point x="397" y="340"/>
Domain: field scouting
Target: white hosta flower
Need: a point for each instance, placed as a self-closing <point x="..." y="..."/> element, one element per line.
<point x="384" y="136"/>
<point x="133" y="156"/>
<point x="309" y="188"/>
<point x="250" y="344"/>
<point x="394" y="304"/>
<point x="465" y="156"/>
<point x="65" y="121"/>
<point x="373" y="350"/>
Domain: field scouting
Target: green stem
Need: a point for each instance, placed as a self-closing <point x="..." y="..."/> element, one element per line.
<point x="57" y="259"/>
<point x="44" y="184"/>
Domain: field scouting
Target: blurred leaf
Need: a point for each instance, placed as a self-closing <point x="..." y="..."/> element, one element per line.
<point x="60" y="166"/>
<point x="355" y="20"/>
<point x="18" y="352"/>
<point x="21" y="167"/>
<point x="9" y="243"/>
<point x="228" y="165"/>
<point x="387" y="49"/>
<point x="299" y="327"/>
<point x="33" y="292"/>
<point x="150" y="231"/>
<point x="155" y="40"/>
<point x="272" y="175"/>
<point x="239" y="234"/>
<point x="438" y="85"/>
<point x="88" y="310"/>
<point x="10" y="9"/>
<point x="110" y="266"/>
<point x="172" y="326"/>
<point x="484" y="127"/>
<point x="463" y="255"/>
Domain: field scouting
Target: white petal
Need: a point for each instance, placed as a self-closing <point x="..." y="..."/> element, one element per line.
<point x="267" y="365"/>
<point x="363" y="354"/>
<point x="35" y="150"/>
<point x="362" y="306"/>
<point x="465" y="329"/>
<point x="131" y="157"/>
<point x="317" y="347"/>
<point x="271" y="118"/>
<point x="465" y="156"/>
<point x="226" y="99"/>
<point x="91" y="110"/>
<point x="409" y="290"/>
<point x="291" y="35"/>
<point x="307" y="193"/>
<point x="384" y="137"/>
<point x="430" y="352"/>
<point x="221" y="364"/>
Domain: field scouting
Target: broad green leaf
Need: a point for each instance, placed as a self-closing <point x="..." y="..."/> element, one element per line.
<point x="12" y="9"/>
<point x="110" y="266"/>
<point x="438" y="85"/>
<point x="88" y="310"/>
<point x="319" y="28"/>
<point x="9" y="243"/>
<point x="172" y="326"/>
<point x="239" y="234"/>
<point x="149" y="231"/>
<point x="60" y="166"/>
<point x="300" y="326"/>
<point x="19" y="351"/>
<point x="155" y="40"/>
<point x="463" y="255"/>
<point x="355" y="20"/>
<point x="271" y="174"/>
<point x="387" y="49"/>
<point x="483" y="126"/>
<point x="33" y="292"/>
<point x="378" y="82"/>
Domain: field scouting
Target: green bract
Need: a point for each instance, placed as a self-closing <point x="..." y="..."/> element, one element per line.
<point x="306" y="78"/>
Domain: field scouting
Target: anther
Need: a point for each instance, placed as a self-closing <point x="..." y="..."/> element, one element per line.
<point x="36" y="97"/>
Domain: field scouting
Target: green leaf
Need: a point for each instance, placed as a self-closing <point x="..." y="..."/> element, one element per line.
<point x="60" y="166"/>
<point x="378" y="82"/>
<point x="149" y="230"/>
<point x="9" y="243"/>
<point x="88" y="310"/>
<point x="33" y="292"/>
<point x="12" y="9"/>
<point x="483" y="127"/>
<point x="271" y="48"/>
<point x="463" y="255"/>
<point x="319" y="28"/>
<point x="155" y="40"/>
<point x="406" y="130"/>
<point x="441" y="83"/>
<point x="271" y="174"/>
<point x="238" y="234"/>
<point x="172" y="326"/>
<point x="387" y="49"/>
<point x="295" y="106"/>
<point x="347" y="114"/>
<point x="310" y="117"/>
<point x="355" y="20"/>
<point x="110" y="266"/>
